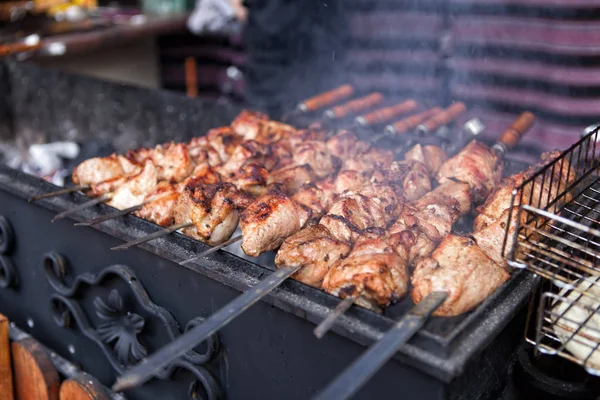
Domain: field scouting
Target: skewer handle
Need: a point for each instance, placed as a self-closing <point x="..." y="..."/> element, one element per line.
<point x="386" y="114"/>
<point x="362" y="369"/>
<point x="163" y="357"/>
<point x="354" y="106"/>
<point x="443" y="118"/>
<point x="326" y="99"/>
<point x="513" y="134"/>
<point x="407" y="124"/>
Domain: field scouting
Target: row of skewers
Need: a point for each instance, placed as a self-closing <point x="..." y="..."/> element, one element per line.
<point x="346" y="217"/>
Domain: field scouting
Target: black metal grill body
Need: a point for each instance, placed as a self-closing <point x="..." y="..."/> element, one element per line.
<point x="269" y="352"/>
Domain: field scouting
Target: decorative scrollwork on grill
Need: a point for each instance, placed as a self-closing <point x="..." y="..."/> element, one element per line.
<point x="121" y="334"/>
<point x="8" y="272"/>
<point x="7" y="236"/>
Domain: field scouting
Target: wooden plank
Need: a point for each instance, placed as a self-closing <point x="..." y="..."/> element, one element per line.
<point x="83" y="387"/>
<point x="34" y="374"/>
<point x="6" y="381"/>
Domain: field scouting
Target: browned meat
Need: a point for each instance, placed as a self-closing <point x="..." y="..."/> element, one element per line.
<point x="477" y="165"/>
<point x="100" y="169"/>
<point x="461" y="268"/>
<point x="252" y="179"/>
<point x="172" y="162"/>
<point x="412" y="176"/>
<point x="491" y="237"/>
<point x="292" y="178"/>
<point x="351" y="214"/>
<point x="316" y="155"/>
<point x="269" y="220"/>
<point x="461" y="192"/>
<point x="273" y="131"/>
<point x="371" y="160"/>
<point x="436" y="214"/>
<point x="315" y="250"/>
<point x="163" y="200"/>
<point x="345" y="145"/>
<point x="223" y="140"/>
<point x="412" y="237"/>
<point x="373" y="272"/>
<point x="213" y="210"/>
<point x="203" y="174"/>
<point x="248" y="124"/>
<point x="133" y="191"/>
<point x="247" y="151"/>
<point x="431" y="156"/>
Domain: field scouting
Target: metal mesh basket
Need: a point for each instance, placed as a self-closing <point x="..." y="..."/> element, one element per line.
<point x="554" y="231"/>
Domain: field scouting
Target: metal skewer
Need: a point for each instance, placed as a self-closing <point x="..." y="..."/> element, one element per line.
<point x="102" y="218"/>
<point x="213" y="249"/>
<point x="331" y="319"/>
<point x="152" y="236"/>
<point x="361" y="370"/>
<point x="58" y="192"/>
<point x="141" y="372"/>
<point x="87" y="204"/>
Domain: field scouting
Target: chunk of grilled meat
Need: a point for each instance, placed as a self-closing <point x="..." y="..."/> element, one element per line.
<point x="431" y="156"/>
<point x="371" y="160"/>
<point x="269" y="220"/>
<point x="252" y="179"/>
<point x="135" y="188"/>
<point x="317" y="156"/>
<point x="248" y="124"/>
<point x="411" y="176"/>
<point x="163" y="200"/>
<point x="315" y="250"/>
<point x="461" y="268"/>
<point x="345" y="145"/>
<point x="96" y="170"/>
<point x="213" y="209"/>
<point x="172" y="160"/>
<point x="373" y="272"/>
<point x="476" y="165"/>
<point x="292" y="178"/>
<point x="247" y="151"/>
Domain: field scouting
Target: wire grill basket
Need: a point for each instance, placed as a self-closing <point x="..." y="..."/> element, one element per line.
<point x="554" y="231"/>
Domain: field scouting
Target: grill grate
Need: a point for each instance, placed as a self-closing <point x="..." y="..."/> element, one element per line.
<point x="554" y="231"/>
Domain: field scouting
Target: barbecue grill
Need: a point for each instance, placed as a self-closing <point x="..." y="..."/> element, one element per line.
<point x="146" y="299"/>
<point x="561" y="243"/>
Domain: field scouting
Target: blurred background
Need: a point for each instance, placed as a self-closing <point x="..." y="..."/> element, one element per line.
<point x="500" y="57"/>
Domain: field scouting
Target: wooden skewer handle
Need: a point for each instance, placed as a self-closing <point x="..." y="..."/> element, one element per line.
<point x="354" y="106"/>
<point x="387" y="113"/>
<point x="406" y="124"/>
<point x="444" y="117"/>
<point x="325" y="99"/>
<point x="511" y="136"/>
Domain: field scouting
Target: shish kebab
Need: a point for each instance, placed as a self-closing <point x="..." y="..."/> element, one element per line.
<point x="141" y="373"/>
<point x="436" y="115"/>
<point x="367" y="155"/>
<point x="108" y="171"/>
<point x="120" y="165"/>
<point x="451" y="282"/>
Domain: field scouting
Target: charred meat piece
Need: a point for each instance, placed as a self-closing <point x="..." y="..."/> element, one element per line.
<point x="252" y="179"/>
<point x="373" y="272"/>
<point x="213" y="209"/>
<point x="411" y="177"/>
<point x="345" y="145"/>
<point x="476" y="165"/>
<point x="244" y="153"/>
<point x="133" y="191"/>
<point x="436" y="214"/>
<point x="431" y="156"/>
<point x="491" y="237"/>
<point x="248" y="124"/>
<point x="353" y="213"/>
<point x="163" y="200"/>
<point x="173" y="162"/>
<point x="461" y="268"/>
<point x="371" y="160"/>
<point x="315" y="250"/>
<point x="292" y="178"/>
<point x="269" y="220"/>
<point x="100" y="169"/>
<point x="317" y="156"/>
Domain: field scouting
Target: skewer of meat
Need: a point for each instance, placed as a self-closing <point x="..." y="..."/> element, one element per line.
<point x="354" y="377"/>
<point x="141" y="373"/>
<point x="465" y="179"/>
<point x="102" y="169"/>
